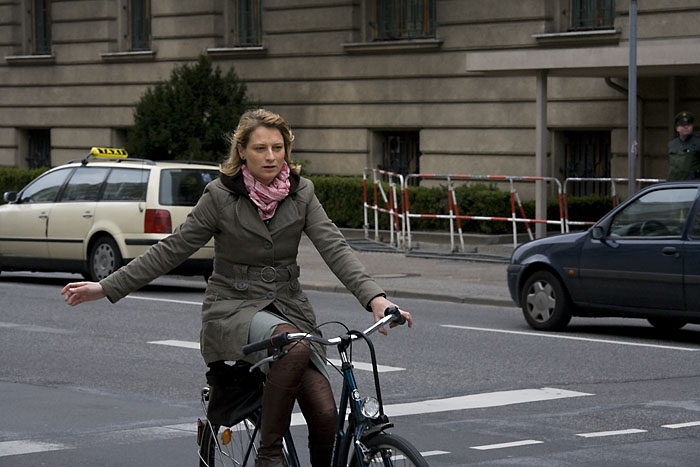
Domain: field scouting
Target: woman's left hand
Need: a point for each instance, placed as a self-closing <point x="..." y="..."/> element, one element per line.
<point x="379" y="304"/>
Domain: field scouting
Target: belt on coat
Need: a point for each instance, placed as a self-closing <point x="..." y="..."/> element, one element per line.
<point x="257" y="273"/>
<point x="270" y="274"/>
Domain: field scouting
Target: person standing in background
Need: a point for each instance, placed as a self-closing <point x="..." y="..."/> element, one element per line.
<point x="684" y="150"/>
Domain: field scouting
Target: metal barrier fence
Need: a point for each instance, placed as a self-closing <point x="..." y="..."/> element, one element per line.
<point x="396" y="218"/>
<point x="453" y="209"/>
<point x="397" y="207"/>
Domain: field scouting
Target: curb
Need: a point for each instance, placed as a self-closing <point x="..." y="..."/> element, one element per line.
<point x="322" y="287"/>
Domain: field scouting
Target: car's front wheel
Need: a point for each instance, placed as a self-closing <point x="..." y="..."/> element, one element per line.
<point x="545" y="303"/>
<point x="104" y="258"/>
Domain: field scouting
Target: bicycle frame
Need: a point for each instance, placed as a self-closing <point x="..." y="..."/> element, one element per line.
<point x="359" y="427"/>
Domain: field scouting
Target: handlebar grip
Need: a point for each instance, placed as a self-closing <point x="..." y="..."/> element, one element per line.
<point x="398" y="317"/>
<point x="278" y="340"/>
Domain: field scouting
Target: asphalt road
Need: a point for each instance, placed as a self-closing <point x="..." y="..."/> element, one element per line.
<point x="118" y="385"/>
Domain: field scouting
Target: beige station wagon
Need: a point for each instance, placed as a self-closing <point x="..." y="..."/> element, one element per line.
<point x="95" y="214"/>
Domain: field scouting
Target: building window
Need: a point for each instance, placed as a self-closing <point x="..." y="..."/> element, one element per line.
<point x="587" y="155"/>
<point x="243" y="21"/>
<point x="400" y="152"/>
<point x="139" y="25"/>
<point x="38" y="148"/>
<point x="40" y="13"/>
<point x="591" y="14"/>
<point x="403" y="19"/>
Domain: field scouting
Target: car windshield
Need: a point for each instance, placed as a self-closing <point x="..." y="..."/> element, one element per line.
<point x="183" y="187"/>
<point x="45" y="188"/>
<point x="658" y="213"/>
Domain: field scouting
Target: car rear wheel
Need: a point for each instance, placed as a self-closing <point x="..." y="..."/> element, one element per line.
<point x="545" y="303"/>
<point x="104" y="259"/>
<point x="667" y="324"/>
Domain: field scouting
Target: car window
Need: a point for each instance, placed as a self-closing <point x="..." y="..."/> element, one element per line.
<point x="45" y="188"/>
<point x="659" y="213"/>
<point x="183" y="187"/>
<point x="126" y="185"/>
<point x="695" y="227"/>
<point x="85" y="184"/>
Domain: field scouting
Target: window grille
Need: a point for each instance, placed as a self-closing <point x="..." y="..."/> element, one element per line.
<point x="139" y="22"/>
<point x="592" y="14"/>
<point x="41" y="27"/>
<point x="404" y="19"/>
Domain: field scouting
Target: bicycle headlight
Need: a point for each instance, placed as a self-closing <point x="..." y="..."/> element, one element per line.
<point x="370" y="407"/>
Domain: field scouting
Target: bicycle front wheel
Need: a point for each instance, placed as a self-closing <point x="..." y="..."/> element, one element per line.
<point x="391" y="450"/>
<point x="222" y="447"/>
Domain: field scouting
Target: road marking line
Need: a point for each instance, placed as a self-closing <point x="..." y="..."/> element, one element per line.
<point x="176" y="343"/>
<point x="358" y="365"/>
<point x="573" y="338"/>
<point x="525" y="442"/>
<point x="681" y="425"/>
<point x="433" y="453"/>
<point x="185" y="302"/>
<point x="601" y="434"/>
<point x="14" y="448"/>
<point x="401" y="457"/>
<point x="479" y="401"/>
<point x="368" y="366"/>
<point x="472" y="401"/>
<point x="34" y="328"/>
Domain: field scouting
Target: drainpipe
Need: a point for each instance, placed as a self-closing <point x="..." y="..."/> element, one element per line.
<point x="640" y="118"/>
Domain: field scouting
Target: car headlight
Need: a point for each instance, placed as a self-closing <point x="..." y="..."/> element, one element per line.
<point x="370" y="407"/>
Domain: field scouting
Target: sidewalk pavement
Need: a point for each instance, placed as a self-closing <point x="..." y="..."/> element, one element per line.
<point x="431" y="278"/>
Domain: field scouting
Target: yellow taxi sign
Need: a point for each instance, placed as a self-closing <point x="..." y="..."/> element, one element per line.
<point x="108" y="152"/>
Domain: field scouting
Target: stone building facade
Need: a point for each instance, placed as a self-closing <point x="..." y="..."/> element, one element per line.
<point x="431" y="86"/>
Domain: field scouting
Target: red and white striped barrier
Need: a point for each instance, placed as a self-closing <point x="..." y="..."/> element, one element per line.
<point x="453" y="210"/>
<point x="396" y="218"/>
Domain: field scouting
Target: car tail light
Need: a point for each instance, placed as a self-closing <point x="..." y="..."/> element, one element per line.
<point x="157" y="221"/>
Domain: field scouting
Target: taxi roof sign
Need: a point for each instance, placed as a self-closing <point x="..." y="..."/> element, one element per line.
<point x="108" y="152"/>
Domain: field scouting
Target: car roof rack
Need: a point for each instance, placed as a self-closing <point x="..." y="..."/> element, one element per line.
<point x="176" y="161"/>
<point x="110" y="154"/>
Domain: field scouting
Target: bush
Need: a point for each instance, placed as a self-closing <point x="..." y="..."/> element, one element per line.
<point x="189" y="116"/>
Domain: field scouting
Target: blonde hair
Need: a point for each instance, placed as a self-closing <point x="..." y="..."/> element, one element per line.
<point x="248" y="123"/>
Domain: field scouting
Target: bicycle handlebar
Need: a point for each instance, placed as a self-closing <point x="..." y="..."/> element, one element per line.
<point x="391" y="315"/>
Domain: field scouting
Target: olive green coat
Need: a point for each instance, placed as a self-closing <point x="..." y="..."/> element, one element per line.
<point x="684" y="158"/>
<point x="242" y="239"/>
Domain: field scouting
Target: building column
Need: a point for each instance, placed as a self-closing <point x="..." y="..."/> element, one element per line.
<point x="541" y="152"/>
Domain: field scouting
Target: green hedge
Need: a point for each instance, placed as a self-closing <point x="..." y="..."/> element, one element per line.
<point x="342" y="198"/>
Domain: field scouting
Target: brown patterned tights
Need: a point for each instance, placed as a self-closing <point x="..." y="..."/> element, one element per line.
<point x="290" y="378"/>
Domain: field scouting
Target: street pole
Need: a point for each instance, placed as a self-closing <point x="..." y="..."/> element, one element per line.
<point x="632" y="101"/>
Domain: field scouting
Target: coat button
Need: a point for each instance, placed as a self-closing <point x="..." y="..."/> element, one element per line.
<point x="268" y="245"/>
<point x="270" y="295"/>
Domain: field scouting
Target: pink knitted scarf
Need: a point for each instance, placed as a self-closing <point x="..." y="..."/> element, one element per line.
<point x="267" y="197"/>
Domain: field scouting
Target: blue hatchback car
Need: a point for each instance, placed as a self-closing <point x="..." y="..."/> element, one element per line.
<point x="641" y="260"/>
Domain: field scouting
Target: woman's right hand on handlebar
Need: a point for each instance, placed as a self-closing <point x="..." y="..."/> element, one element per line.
<point x="79" y="292"/>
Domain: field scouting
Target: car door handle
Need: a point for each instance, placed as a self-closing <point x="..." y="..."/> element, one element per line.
<point x="670" y="250"/>
<point x="43" y="215"/>
<point x="87" y="215"/>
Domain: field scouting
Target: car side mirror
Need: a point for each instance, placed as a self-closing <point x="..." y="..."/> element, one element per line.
<point x="10" y="196"/>
<point x="598" y="233"/>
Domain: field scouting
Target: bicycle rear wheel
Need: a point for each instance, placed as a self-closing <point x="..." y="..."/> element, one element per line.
<point x="223" y="447"/>
<point x="390" y="450"/>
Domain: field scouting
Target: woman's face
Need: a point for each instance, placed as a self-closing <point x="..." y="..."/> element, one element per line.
<point x="264" y="153"/>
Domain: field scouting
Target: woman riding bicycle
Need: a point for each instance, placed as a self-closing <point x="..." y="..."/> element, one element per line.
<point x="256" y="212"/>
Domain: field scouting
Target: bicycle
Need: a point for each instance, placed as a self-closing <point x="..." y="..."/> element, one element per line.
<point x="360" y="441"/>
